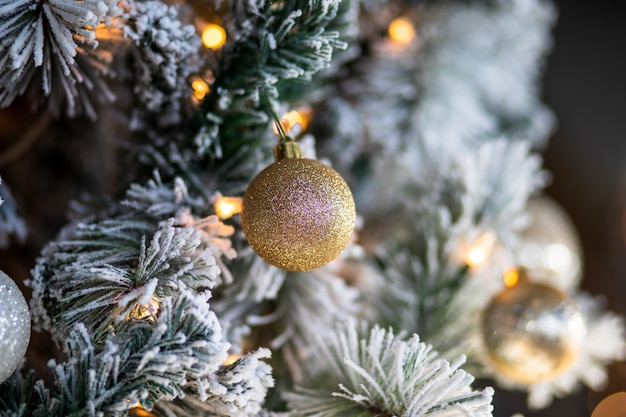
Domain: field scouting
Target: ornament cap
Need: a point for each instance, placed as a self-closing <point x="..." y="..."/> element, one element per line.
<point x="287" y="149"/>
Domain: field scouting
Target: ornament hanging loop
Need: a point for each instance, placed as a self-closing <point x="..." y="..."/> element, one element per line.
<point x="286" y="148"/>
<point x="280" y="128"/>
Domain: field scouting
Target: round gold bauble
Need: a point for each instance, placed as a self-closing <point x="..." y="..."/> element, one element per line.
<point x="612" y="406"/>
<point x="298" y="214"/>
<point x="532" y="332"/>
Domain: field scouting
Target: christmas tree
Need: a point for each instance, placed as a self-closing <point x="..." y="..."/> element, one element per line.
<point x="287" y="208"/>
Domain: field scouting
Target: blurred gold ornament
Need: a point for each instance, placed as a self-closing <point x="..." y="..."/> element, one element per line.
<point x="549" y="247"/>
<point x="298" y="214"/>
<point x="612" y="406"/>
<point x="531" y="332"/>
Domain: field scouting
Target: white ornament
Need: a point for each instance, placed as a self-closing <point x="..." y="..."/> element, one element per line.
<point x="550" y="248"/>
<point x="14" y="326"/>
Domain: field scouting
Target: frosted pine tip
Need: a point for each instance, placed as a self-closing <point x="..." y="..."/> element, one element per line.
<point x="226" y="207"/>
<point x="401" y="30"/>
<point x="213" y="36"/>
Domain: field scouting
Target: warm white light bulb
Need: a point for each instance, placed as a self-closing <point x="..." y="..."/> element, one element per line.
<point x="401" y="30"/>
<point x="200" y="88"/>
<point x="213" y="36"/>
<point x="478" y="252"/>
<point x="226" y="207"/>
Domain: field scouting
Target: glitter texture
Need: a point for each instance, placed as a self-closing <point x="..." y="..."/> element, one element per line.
<point x="14" y="326"/>
<point x="298" y="214"/>
<point x="532" y="332"/>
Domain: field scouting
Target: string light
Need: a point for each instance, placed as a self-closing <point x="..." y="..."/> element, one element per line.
<point x="213" y="36"/>
<point x="511" y="277"/>
<point x="145" y="311"/>
<point x="231" y="359"/>
<point x="226" y="207"/>
<point x="108" y="32"/>
<point x="138" y="411"/>
<point x="200" y="88"/>
<point x="480" y="250"/>
<point x="475" y="256"/>
<point x="401" y="30"/>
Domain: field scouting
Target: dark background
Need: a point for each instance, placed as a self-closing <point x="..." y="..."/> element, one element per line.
<point x="585" y="85"/>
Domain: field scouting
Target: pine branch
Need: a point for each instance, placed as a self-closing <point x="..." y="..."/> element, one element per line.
<point x="165" y="54"/>
<point x="51" y="43"/>
<point x="481" y="191"/>
<point x="269" y="45"/>
<point x="306" y="301"/>
<point x="11" y="224"/>
<point x="104" y="272"/>
<point x="384" y="375"/>
<point x="16" y="393"/>
<point x="469" y="77"/>
<point x="145" y="364"/>
<point x="240" y="389"/>
<point x="421" y="280"/>
<point x="255" y="285"/>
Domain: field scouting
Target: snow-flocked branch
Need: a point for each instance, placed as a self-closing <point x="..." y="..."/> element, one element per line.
<point x="101" y="272"/>
<point x="149" y="362"/>
<point x="379" y="373"/>
<point x="52" y="45"/>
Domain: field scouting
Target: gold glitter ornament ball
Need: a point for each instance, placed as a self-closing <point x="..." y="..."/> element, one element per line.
<point x="532" y="332"/>
<point x="298" y="214"/>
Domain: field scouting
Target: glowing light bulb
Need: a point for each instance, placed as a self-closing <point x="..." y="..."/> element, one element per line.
<point x="200" y="88"/>
<point x="226" y="207"/>
<point x="401" y="30"/>
<point x="107" y="32"/>
<point x="137" y="410"/>
<point x="480" y="249"/>
<point x="476" y="256"/>
<point x="145" y="311"/>
<point x="292" y="118"/>
<point x="511" y="277"/>
<point x="231" y="359"/>
<point x="213" y="36"/>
